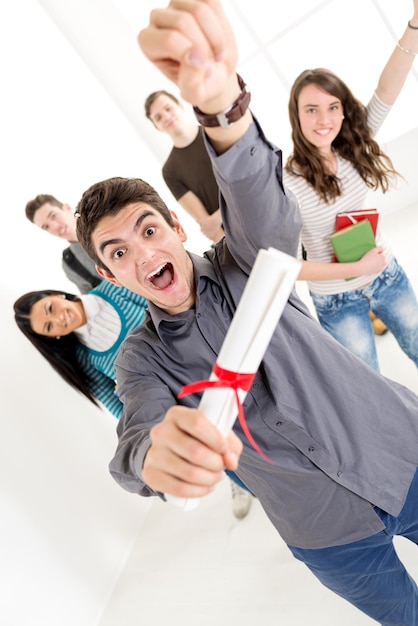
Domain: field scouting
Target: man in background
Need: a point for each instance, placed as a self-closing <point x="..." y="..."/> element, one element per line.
<point x="57" y="218"/>
<point x="188" y="174"/>
<point x="187" y="171"/>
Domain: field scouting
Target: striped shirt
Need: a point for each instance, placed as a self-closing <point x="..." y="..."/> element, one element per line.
<point x="119" y="312"/>
<point x="319" y="216"/>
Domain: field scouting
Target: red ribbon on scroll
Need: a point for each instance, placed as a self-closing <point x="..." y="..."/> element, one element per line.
<point x="231" y="380"/>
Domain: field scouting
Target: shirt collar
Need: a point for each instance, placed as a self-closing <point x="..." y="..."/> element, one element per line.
<point x="203" y="269"/>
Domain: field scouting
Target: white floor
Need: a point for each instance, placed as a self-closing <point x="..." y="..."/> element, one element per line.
<point x="205" y="568"/>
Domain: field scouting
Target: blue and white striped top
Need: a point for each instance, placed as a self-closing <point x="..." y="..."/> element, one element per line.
<point x="99" y="364"/>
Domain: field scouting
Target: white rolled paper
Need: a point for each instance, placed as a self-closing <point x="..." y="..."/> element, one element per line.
<point x="260" y="307"/>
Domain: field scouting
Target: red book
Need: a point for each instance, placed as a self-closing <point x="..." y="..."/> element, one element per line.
<point x="343" y="220"/>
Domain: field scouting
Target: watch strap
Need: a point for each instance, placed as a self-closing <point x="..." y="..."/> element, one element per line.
<point x="231" y="114"/>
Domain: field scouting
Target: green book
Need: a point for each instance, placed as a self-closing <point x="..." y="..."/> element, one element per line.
<point x="352" y="242"/>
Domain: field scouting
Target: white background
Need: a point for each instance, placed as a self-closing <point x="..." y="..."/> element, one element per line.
<point x="73" y="86"/>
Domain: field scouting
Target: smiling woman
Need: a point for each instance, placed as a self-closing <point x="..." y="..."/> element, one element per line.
<point x="335" y="163"/>
<point x="56" y="315"/>
<point x="80" y="336"/>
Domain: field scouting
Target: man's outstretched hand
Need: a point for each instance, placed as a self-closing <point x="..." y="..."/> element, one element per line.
<point x="192" y="43"/>
<point x="188" y="454"/>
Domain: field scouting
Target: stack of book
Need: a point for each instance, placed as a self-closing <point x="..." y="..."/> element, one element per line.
<point x="353" y="217"/>
<point x="354" y="234"/>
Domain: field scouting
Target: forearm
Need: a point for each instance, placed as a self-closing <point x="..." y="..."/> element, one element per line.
<point x="311" y="270"/>
<point x="256" y="212"/>
<point x="373" y="262"/>
<point x="399" y="64"/>
<point x="223" y="138"/>
<point x="145" y="401"/>
<point x="133" y="444"/>
<point x="211" y="226"/>
<point x="123" y="468"/>
<point x="193" y="206"/>
<point x="193" y="44"/>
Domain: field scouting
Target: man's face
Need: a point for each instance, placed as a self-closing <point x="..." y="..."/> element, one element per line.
<point x="146" y="255"/>
<point x="165" y="114"/>
<point x="57" y="221"/>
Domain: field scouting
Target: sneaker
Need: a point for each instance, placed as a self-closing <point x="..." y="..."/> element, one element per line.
<point x="241" y="500"/>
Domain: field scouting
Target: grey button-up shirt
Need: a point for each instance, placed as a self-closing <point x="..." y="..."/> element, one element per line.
<point x="341" y="436"/>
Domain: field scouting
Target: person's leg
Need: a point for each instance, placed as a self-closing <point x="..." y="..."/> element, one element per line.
<point x="346" y="317"/>
<point x="394" y="302"/>
<point x="379" y="328"/>
<point x="242" y="498"/>
<point x="236" y="480"/>
<point x="368" y="573"/>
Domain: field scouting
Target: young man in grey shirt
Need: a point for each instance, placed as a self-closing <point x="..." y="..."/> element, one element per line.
<point x="343" y="440"/>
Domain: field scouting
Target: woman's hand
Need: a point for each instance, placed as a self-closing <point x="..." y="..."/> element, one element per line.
<point x="373" y="262"/>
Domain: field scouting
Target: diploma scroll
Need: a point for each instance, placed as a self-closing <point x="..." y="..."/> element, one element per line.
<point x="260" y="307"/>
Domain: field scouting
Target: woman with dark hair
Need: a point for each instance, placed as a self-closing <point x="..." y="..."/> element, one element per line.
<point x="80" y="335"/>
<point x="335" y="163"/>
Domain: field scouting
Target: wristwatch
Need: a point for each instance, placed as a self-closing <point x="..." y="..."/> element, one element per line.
<point x="231" y="114"/>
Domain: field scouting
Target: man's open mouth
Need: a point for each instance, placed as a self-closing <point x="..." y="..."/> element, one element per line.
<point x="162" y="277"/>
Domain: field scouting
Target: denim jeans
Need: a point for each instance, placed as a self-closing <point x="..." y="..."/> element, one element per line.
<point x="236" y="480"/>
<point x="390" y="296"/>
<point x="368" y="573"/>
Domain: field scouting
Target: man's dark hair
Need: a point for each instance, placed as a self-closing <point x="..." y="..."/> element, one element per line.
<point x="108" y="197"/>
<point x="35" y="204"/>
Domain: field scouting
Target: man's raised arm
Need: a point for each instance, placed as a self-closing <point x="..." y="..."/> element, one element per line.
<point x="192" y="43"/>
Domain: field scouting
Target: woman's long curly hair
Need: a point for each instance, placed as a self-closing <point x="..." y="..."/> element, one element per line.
<point x="353" y="143"/>
<point x="61" y="354"/>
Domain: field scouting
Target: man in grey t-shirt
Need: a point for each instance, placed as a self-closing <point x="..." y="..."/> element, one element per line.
<point x="57" y="218"/>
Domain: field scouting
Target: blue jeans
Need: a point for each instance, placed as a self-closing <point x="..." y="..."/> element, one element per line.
<point x="236" y="480"/>
<point x="368" y="573"/>
<point x="390" y="296"/>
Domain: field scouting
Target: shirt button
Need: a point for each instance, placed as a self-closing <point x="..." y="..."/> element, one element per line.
<point x="279" y="423"/>
<point x="253" y="151"/>
<point x="311" y="449"/>
<point x="339" y="473"/>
